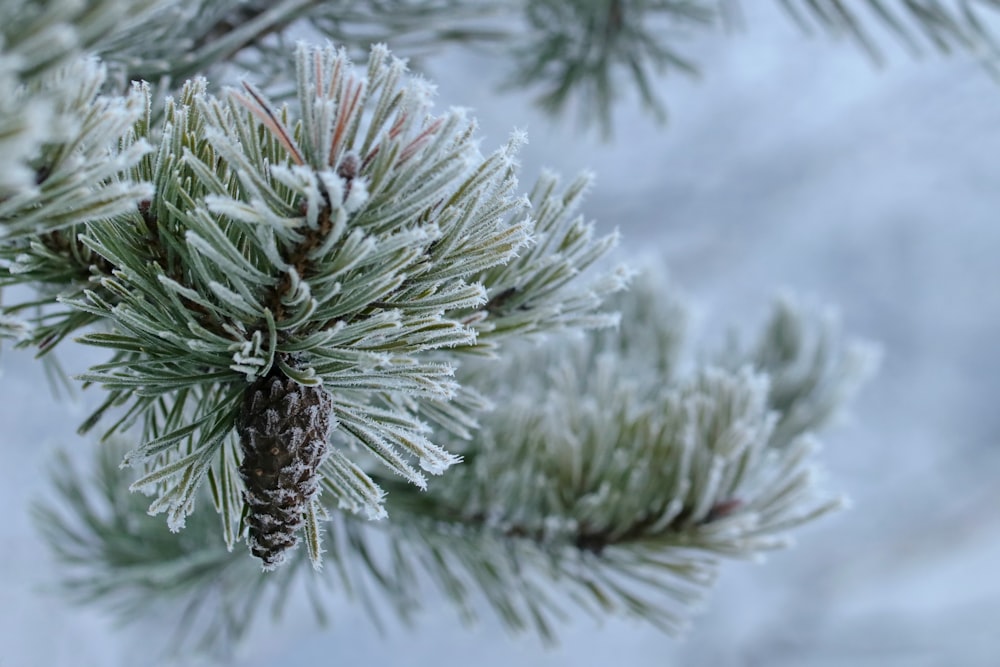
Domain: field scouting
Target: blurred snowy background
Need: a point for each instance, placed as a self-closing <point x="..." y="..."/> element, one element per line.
<point x="792" y="164"/>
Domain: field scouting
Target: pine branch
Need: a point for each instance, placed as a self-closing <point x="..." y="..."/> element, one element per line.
<point x="294" y="298"/>
<point x="253" y="34"/>
<point x="608" y="485"/>
<point x="79" y="171"/>
<point x="45" y="112"/>
<point x="945" y="26"/>
<point x="40" y="37"/>
<point x="76" y="171"/>
<point x="353" y="249"/>
<point x="580" y="52"/>
<point x="117" y="557"/>
<point x="813" y="368"/>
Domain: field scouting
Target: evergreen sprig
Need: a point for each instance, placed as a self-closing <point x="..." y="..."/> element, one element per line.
<point x="117" y="557"/>
<point x="611" y="484"/>
<point x="812" y="366"/>
<point x="581" y="52"/>
<point x="47" y="108"/>
<point x="73" y="152"/>
<point x="305" y="305"/>
<point x="77" y="170"/>
<point x="347" y="248"/>
<point x="945" y="26"/>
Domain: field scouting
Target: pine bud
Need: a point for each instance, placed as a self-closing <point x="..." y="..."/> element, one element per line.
<point x="283" y="429"/>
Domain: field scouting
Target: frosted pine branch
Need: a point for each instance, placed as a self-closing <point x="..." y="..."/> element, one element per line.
<point x="46" y="116"/>
<point x="348" y="243"/>
<point x="603" y="480"/>
<point x="814" y="368"/>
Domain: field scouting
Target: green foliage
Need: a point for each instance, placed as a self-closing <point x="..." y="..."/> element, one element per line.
<point x="116" y="556"/>
<point x="77" y="171"/>
<point x="603" y="481"/>
<point x="343" y="237"/>
<point x="945" y="26"/>
<point x="584" y="50"/>
<point x="45" y="117"/>
<point x="348" y="248"/>
<point x="585" y="55"/>
<point x="811" y="367"/>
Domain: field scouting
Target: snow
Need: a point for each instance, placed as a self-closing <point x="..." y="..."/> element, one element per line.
<point x="791" y="164"/>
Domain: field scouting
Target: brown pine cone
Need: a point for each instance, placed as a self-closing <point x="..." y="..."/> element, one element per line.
<point x="283" y="429"/>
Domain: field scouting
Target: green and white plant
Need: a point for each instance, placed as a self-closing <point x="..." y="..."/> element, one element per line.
<point x="315" y="292"/>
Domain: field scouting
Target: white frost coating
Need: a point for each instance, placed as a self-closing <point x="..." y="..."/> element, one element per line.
<point x="436" y="460"/>
<point x="298" y="290"/>
<point x="234" y="300"/>
<point x="355" y="490"/>
<point x="358" y="195"/>
<point x="296" y="434"/>
<point x="235" y="209"/>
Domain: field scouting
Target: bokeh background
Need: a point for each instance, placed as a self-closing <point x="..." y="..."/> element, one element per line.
<point x="791" y="164"/>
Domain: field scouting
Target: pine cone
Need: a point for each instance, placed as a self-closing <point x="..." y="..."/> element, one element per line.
<point x="283" y="431"/>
